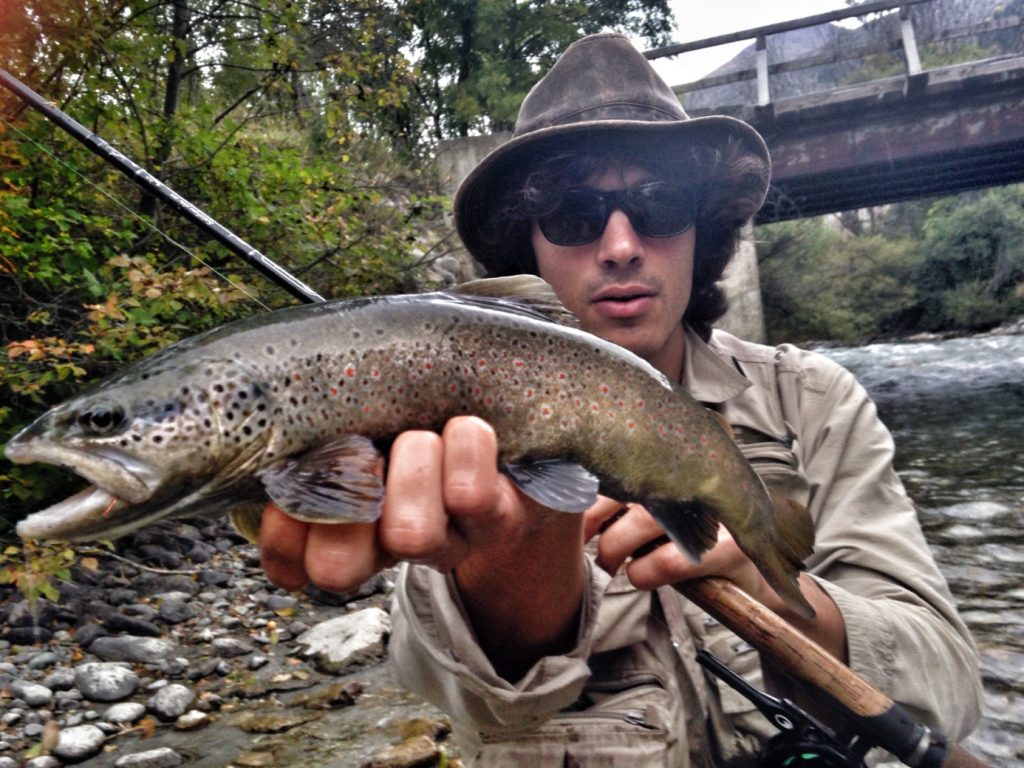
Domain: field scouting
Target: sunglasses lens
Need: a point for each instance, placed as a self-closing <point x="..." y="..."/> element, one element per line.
<point x="660" y="209"/>
<point x="657" y="209"/>
<point x="579" y="218"/>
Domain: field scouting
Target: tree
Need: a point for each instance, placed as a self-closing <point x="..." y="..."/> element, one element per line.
<point x="973" y="274"/>
<point x="480" y="57"/>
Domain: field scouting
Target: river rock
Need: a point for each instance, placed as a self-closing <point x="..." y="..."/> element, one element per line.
<point x="192" y="720"/>
<point x="174" y="608"/>
<point x="164" y="757"/>
<point x="229" y="647"/>
<point x="120" y="622"/>
<point x="43" y="660"/>
<point x="33" y="694"/>
<point x="132" y="648"/>
<point x="60" y="679"/>
<point x="43" y="761"/>
<point x="105" y="681"/>
<point x="125" y="713"/>
<point x="79" y="743"/>
<point x="171" y="702"/>
<point x="417" y="751"/>
<point x="346" y="642"/>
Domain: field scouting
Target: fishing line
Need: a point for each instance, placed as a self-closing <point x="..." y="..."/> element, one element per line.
<point x="135" y="215"/>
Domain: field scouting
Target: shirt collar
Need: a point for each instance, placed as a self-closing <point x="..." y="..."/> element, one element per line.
<point x="707" y="376"/>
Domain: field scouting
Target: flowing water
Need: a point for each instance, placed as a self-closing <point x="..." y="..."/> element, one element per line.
<point x="956" y="410"/>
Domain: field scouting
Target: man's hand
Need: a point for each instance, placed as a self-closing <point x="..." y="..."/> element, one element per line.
<point x="518" y="567"/>
<point x="631" y="537"/>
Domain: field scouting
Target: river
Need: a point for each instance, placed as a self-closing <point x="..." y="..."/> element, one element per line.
<point x="956" y="410"/>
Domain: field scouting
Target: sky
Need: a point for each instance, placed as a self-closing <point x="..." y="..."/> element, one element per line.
<point x="699" y="19"/>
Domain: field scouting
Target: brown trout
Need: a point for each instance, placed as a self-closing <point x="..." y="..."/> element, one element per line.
<point x="295" y="405"/>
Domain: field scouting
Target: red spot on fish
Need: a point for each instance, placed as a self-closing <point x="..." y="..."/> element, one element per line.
<point x="334" y="390"/>
<point x="563" y="375"/>
<point x="577" y="402"/>
<point x="298" y="377"/>
<point x="545" y="411"/>
<point x="375" y="373"/>
<point x="605" y="389"/>
<point x="594" y="407"/>
<point x="630" y="425"/>
<point x="518" y="363"/>
<point x="640" y="404"/>
<point x="481" y="363"/>
<point x="453" y="388"/>
<point x="366" y="409"/>
<point x="350" y="371"/>
<point x="428" y="366"/>
<point x="528" y="393"/>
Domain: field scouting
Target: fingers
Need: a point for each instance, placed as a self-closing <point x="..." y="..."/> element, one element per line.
<point x="435" y="484"/>
<point x="624" y="535"/>
<point x="414" y="523"/>
<point x="600" y="516"/>
<point x="282" y="548"/>
<point x="471" y="466"/>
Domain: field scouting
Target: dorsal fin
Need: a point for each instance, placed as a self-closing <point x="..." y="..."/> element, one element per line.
<point x="527" y="291"/>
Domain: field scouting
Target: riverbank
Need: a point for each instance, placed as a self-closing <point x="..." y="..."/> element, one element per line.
<point x="175" y="650"/>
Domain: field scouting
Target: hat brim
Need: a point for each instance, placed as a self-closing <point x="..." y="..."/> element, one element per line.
<point x="479" y="194"/>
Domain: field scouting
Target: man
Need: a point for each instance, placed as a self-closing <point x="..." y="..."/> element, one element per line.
<point x="537" y="631"/>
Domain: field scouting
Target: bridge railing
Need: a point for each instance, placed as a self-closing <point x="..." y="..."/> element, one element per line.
<point x="902" y="41"/>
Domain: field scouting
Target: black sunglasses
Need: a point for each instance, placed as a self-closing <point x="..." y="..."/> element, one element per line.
<point x="657" y="209"/>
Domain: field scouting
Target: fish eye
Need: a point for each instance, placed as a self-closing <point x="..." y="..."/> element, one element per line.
<point x="101" y="419"/>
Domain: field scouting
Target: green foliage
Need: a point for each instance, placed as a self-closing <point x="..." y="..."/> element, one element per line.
<point x="821" y="282"/>
<point x="974" y="275"/>
<point x="480" y="57"/>
<point x="35" y="569"/>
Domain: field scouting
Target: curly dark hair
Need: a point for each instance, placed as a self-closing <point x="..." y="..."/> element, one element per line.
<point x="728" y="179"/>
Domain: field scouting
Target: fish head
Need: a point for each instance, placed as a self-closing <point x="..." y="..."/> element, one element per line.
<point x="154" y="441"/>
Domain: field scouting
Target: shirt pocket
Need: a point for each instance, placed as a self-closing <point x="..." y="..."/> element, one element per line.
<point x="614" y="729"/>
<point x="775" y="460"/>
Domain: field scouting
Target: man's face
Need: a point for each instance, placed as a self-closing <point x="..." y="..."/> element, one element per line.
<point x="625" y="287"/>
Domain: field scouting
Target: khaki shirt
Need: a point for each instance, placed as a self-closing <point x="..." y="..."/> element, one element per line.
<point x="630" y="693"/>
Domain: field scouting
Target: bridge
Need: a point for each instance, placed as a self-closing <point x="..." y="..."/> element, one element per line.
<point x="917" y="133"/>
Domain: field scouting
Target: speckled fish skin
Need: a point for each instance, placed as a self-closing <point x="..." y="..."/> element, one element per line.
<point x="191" y="429"/>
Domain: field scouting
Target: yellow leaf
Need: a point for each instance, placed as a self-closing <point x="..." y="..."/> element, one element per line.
<point x="90" y="563"/>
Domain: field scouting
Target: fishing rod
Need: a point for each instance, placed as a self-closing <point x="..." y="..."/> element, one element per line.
<point x="875" y="715"/>
<point x="143" y="178"/>
<point x="873" y="718"/>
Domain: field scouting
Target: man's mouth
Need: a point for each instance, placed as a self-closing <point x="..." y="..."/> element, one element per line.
<point x="623" y="302"/>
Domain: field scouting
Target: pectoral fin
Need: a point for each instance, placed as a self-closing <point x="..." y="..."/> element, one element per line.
<point x="336" y="482"/>
<point x="556" y="484"/>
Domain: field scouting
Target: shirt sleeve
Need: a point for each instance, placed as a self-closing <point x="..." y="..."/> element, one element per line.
<point x="903" y="631"/>
<point x="435" y="654"/>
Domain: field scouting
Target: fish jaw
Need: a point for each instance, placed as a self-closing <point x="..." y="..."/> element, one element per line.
<point x="120" y="483"/>
<point x="119" y="473"/>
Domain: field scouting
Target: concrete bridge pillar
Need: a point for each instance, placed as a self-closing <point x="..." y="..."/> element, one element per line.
<point x="745" y="318"/>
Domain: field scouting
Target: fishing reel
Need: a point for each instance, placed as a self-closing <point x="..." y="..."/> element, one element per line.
<point x="802" y="741"/>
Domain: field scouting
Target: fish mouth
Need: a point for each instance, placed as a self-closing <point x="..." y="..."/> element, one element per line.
<point x="119" y="484"/>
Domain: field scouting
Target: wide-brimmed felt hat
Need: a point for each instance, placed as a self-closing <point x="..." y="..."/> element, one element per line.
<point x="600" y="88"/>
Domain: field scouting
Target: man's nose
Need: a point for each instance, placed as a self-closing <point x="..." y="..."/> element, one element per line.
<point x="620" y="245"/>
